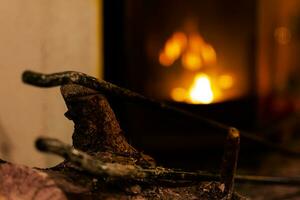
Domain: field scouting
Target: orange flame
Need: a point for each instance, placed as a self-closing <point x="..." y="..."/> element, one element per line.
<point x="195" y="54"/>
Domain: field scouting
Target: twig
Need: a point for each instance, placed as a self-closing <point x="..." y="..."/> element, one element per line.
<point x="136" y="173"/>
<point x="62" y="78"/>
<point x="230" y="158"/>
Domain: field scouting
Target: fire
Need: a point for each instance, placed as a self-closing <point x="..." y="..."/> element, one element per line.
<point x="173" y="49"/>
<point x="209" y="54"/>
<point x="196" y="55"/>
<point x="192" y="48"/>
<point x="191" y="61"/>
<point x="201" y="90"/>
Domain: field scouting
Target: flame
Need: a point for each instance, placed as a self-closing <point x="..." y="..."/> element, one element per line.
<point x="173" y="49"/>
<point x="191" y="61"/>
<point x="165" y="60"/>
<point x="209" y="54"/>
<point x="201" y="90"/>
<point x="195" y="55"/>
<point x="204" y="90"/>
<point x="194" y="51"/>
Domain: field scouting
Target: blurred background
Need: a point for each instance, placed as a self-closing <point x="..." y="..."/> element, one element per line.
<point x="234" y="61"/>
<point x="46" y="36"/>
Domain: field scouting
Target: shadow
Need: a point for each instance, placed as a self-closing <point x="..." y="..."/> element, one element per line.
<point x="5" y="144"/>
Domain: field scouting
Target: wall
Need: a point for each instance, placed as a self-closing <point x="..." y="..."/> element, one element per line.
<point x="47" y="36"/>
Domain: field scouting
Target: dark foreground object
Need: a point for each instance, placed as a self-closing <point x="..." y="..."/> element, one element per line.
<point x="103" y="165"/>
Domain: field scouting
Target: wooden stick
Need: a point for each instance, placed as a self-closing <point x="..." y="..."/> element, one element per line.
<point x="158" y="175"/>
<point x="230" y="158"/>
<point x="62" y="78"/>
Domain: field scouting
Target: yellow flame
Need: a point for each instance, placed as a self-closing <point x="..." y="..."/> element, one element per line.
<point x="191" y="61"/>
<point x="172" y="49"/>
<point x="164" y="60"/>
<point x="201" y="91"/>
<point x="175" y="45"/>
<point x="181" y="39"/>
<point x="192" y="49"/>
<point x="209" y="54"/>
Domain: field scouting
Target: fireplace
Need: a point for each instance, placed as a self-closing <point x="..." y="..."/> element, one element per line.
<point x="203" y="56"/>
<point x="169" y="44"/>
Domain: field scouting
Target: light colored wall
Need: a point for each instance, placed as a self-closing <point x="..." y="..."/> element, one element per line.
<point x="47" y="36"/>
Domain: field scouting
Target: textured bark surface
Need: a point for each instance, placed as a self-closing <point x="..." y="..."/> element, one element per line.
<point x="96" y="129"/>
<point x="96" y="126"/>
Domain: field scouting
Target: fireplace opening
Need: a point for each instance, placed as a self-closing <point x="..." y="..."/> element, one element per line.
<point x="213" y="58"/>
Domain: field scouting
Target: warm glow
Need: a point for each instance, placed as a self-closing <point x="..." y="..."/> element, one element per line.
<point x="196" y="42"/>
<point x="196" y="56"/>
<point x="172" y="49"/>
<point x="192" y="49"/>
<point x="225" y="81"/>
<point x="208" y="54"/>
<point x="180" y="38"/>
<point x="191" y="61"/>
<point x="201" y="91"/>
<point x="175" y="45"/>
<point x="179" y="94"/>
<point x="282" y="35"/>
<point x="164" y="60"/>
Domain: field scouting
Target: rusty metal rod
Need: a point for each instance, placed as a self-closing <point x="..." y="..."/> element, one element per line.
<point x="229" y="163"/>
<point x="137" y="173"/>
<point x="67" y="77"/>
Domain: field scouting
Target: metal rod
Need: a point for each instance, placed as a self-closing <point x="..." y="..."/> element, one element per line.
<point x="230" y="159"/>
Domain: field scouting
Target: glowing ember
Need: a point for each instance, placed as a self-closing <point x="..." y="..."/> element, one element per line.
<point x="201" y="91"/>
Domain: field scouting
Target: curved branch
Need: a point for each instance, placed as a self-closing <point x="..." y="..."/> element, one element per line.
<point x="62" y="78"/>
